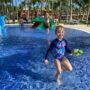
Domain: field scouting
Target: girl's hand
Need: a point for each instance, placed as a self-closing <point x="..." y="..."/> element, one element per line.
<point x="46" y="61"/>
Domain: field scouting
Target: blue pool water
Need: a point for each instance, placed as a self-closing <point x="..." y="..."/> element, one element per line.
<point x="22" y="56"/>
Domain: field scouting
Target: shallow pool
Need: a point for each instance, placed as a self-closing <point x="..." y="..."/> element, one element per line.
<point x="22" y="56"/>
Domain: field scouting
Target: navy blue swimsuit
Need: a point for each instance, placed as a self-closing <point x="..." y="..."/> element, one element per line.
<point x="58" y="47"/>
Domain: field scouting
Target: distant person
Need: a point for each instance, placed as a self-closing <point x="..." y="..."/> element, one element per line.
<point x="22" y="17"/>
<point x="37" y="14"/>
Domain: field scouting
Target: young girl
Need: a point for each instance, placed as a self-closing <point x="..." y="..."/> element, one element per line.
<point x="59" y="46"/>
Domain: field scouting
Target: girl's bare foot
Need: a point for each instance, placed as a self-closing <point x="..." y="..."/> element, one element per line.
<point x="58" y="81"/>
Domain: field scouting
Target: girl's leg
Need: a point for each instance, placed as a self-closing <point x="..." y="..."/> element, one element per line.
<point x="59" y="70"/>
<point x="66" y="64"/>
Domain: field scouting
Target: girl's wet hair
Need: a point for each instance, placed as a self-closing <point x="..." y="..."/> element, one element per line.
<point x="57" y="28"/>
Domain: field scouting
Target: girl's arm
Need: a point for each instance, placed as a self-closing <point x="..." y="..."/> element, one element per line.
<point x="49" y="49"/>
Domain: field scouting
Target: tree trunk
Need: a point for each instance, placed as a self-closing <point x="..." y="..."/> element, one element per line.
<point x="60" y="4"/>
<point x="52" y="5"/>
<point x="49" y="6"/>
<point x="88" y="13"/>
<point x="67" y="12"/>
<point x="70" y="10"/>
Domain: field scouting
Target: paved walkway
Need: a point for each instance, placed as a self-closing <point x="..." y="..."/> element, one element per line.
<point x="79" y="27"/>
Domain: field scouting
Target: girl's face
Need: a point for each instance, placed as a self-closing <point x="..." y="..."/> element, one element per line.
<point x="60" y="33"/>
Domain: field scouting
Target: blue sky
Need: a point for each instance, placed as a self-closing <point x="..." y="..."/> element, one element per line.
<point x="17" y="2"/>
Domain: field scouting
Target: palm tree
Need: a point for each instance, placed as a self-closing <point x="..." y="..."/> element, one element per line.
<point x="2" y="5"/>
<point x="87" y="2"/>
<point x="70" y="10"/>
<point x="85" y="8"/>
